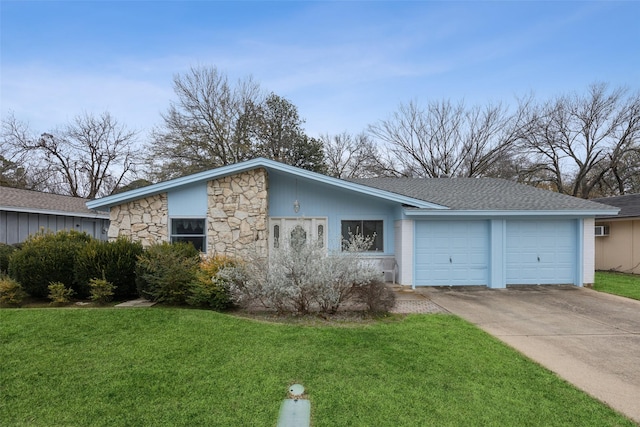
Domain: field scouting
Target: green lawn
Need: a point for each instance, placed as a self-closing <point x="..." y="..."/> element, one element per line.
<point x="625" y="285"/>
<point x="182" y="367"/>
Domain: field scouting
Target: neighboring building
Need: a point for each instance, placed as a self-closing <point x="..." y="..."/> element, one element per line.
<point x="25" y="212"/>
<point x="618" y="237"/>
<point x="449" y="232"/>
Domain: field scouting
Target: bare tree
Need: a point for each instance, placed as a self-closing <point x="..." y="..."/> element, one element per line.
<point x="447" y="140"/>
<point x="577" y="140"/>
<point x="352" y="156"/>
<point x="89" y="157"/>
<point x="209" y="125"/>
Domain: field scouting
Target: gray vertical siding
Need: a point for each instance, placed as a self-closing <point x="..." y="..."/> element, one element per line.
<point x="15" y="227"/>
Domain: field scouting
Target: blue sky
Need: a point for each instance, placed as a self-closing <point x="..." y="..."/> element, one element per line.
<point x="343" y="64"/>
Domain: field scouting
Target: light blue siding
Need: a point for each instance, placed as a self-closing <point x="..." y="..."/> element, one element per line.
<point x="541" y="252"/>
<point x="451" y="253"/>
<point x="319" y="200"/>
<point x="188" y="201"/>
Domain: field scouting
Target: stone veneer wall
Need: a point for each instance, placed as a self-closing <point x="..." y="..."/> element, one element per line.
<point x="237" y="214"/>
<point x="144" y="220"/>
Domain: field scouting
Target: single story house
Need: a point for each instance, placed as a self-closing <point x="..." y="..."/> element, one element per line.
<point x="25" y="212"/>
<point x="487" y="232"/>
<point x="618" y="237"/>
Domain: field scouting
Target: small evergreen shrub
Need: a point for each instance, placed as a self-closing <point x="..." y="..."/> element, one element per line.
<point x="48" y="257"/>
<point x="209" y="289"/>
<point x="5" y="252"/>
<point x="377" y="296"/>
<point x="165" y="272"/>
<point x="115" y="261"/>
<point x="102" y="290"/>
<point x="59" y="294"/>
<point x="11" y="292"/>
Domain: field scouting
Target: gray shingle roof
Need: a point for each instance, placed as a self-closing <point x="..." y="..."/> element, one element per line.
<point x="629" y="205"/>
<point x="480" y="194"/>
<point x="14" y="199"/>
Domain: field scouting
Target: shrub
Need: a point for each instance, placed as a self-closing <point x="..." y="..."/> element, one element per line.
<point x="209" y="289"/>
<point x="11" y="292"/>
<point x="5" y="252"/>
<point x="377" y="296"/>
<point x="47" y="257"/>
<point x="302" y="276"/>
<point x="114" y="261"/>
<point x="59" y="294"/>
<point x="164" y="272"/>
<point x="101" y="290"/>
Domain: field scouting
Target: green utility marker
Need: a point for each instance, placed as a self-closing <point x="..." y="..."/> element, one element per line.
<point x="295" y="412"/>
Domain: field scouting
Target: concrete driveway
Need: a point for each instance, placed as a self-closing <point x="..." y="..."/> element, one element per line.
<point x="589" y="338"/>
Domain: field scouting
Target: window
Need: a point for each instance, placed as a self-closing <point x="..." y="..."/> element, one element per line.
<point x="276" y="236"/>
<point x="189" y="230"/>
<point x="368" y="229"/>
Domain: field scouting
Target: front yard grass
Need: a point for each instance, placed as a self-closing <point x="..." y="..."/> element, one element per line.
<point x="185" y="367"/>
<point x="625" y="285"/>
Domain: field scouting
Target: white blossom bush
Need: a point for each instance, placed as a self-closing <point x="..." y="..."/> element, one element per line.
<point x="302" y="276"/>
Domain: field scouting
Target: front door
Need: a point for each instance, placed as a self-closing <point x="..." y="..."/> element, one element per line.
<point x="287" y="231"/>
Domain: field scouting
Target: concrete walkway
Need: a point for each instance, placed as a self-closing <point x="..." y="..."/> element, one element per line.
<point x="140" y="302"/>
<point x="409" y="301"/>
<point x="590" y="339"/>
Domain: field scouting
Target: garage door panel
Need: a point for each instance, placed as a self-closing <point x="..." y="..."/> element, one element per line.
<point x="450" y="253"/>
<point x="541" y="252"/>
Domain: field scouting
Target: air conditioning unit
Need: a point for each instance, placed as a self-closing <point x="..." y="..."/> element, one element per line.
<point x="602" y="230"/>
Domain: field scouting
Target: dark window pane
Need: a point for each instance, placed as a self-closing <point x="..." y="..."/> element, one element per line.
<point x="187" y="226"/>
<point x="368" y="229"/>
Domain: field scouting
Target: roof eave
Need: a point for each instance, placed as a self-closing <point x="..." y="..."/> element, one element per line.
<point x="55" y="212"/>
<point x="223" y="171"/>
<point x="412" y="212"/>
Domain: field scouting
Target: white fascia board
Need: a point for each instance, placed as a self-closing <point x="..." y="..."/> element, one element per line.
<point x="164" y="186"/>
<point x="504" y="213"/>
<point x="223" y="171"/>
<point x="54" y="212"/>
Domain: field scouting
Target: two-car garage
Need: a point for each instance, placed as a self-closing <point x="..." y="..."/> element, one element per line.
<point x="464" y="252"/>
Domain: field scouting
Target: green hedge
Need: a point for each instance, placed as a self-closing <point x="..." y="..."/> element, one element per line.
<point x="47" y="257"/>
<point x="114" y="261"/>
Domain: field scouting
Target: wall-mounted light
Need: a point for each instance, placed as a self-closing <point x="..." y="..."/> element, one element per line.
<point x="296" y="206"/>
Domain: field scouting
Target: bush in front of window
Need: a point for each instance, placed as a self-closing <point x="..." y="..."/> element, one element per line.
<point x="165" y="271"/>
<point x="114" y="261"/>
<point x="210" y="289"/>
<point x="301" y="276"/>
<point x="48" y="257"/>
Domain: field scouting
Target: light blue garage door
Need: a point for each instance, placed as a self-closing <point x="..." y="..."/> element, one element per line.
<point x="541" y="252"/>
<point x="451" y="253"/>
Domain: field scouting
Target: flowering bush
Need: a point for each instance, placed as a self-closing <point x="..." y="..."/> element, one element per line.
<point x="301" y="276"/>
